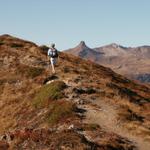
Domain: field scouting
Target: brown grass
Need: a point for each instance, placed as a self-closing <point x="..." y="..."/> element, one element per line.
<point x="16" y="45"/>
<point x="59" y="111"/>
<point x="126" y="114"/>
<point x="29" y="72"/>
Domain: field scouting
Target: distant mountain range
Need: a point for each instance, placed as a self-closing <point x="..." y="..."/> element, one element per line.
<point x="133" y="62"/>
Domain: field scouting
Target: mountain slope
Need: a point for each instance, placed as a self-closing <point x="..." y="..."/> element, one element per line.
<point x="84" y="106"/>
<point x="131" y="62"/>
<point x="84" y="51"/>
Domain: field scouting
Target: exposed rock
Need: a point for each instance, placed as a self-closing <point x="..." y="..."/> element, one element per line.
<point x="50" y="79"/>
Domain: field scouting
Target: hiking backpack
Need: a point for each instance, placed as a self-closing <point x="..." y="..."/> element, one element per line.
<point x="53" y="53"/>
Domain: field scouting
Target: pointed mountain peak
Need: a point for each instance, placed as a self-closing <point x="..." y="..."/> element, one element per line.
<point x="79" y="49"/>
<point x="82" y="45"/>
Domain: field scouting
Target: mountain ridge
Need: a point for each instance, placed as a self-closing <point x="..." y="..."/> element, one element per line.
<point x="83" y="106"/>
<point x="132" y="62"/>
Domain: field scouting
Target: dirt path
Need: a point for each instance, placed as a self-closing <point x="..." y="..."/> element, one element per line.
<point x="106" y="117"/>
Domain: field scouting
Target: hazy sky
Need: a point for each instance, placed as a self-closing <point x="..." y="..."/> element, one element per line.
<point x="67" y="22"/>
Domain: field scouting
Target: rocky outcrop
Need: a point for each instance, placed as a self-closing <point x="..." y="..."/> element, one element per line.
<point x="145" y="78"/>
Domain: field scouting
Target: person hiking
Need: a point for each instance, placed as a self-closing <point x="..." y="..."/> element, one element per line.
<point x="52" y="55"/>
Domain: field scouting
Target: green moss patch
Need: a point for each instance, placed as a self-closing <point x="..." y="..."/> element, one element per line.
<point x="60" y="111"/>
<point x="46" y="93"/>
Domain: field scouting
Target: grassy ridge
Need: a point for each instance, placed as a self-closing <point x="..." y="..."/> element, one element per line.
<point x="47" y="93"/>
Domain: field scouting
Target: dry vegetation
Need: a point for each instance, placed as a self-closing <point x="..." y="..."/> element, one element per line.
<point x="27" y="103"/>
<point x="59" y="112"/>
<point x="29" y="71"/>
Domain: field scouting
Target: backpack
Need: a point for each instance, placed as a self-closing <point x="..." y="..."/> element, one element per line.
<point x="53" y="53"/>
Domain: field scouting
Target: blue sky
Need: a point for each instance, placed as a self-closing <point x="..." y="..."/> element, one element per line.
<point x="67" y="22"/>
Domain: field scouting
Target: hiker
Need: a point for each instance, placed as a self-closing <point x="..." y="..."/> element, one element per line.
<point x="53" y="55"/>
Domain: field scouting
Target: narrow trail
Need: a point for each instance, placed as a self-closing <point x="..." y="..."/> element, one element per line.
<point x="106" y="117"/>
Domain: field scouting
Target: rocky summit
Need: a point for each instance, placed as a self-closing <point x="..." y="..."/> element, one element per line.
<point x="83" y="106"/>
<point x="133" y="62"/>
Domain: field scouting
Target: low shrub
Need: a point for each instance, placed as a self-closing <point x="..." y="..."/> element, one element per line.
<point x="2" y="81"/>
<point x="91" y="127"/>
<point x="1" y="43"/>
<point x="34" y="72"/>
<point x="16" y="45"/>
<point x="84" y="90"/>
<point x="66" y="70"/>
<point x="46" y="93"/>
<point x="29" y="71"/>
<point x="90" y="91"/>
<point x="1" y="89"/>
<point x="126" y="114"/>
<point x="44" y="49"/>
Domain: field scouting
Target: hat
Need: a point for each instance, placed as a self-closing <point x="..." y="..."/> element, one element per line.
<point x="52" y="45"/>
